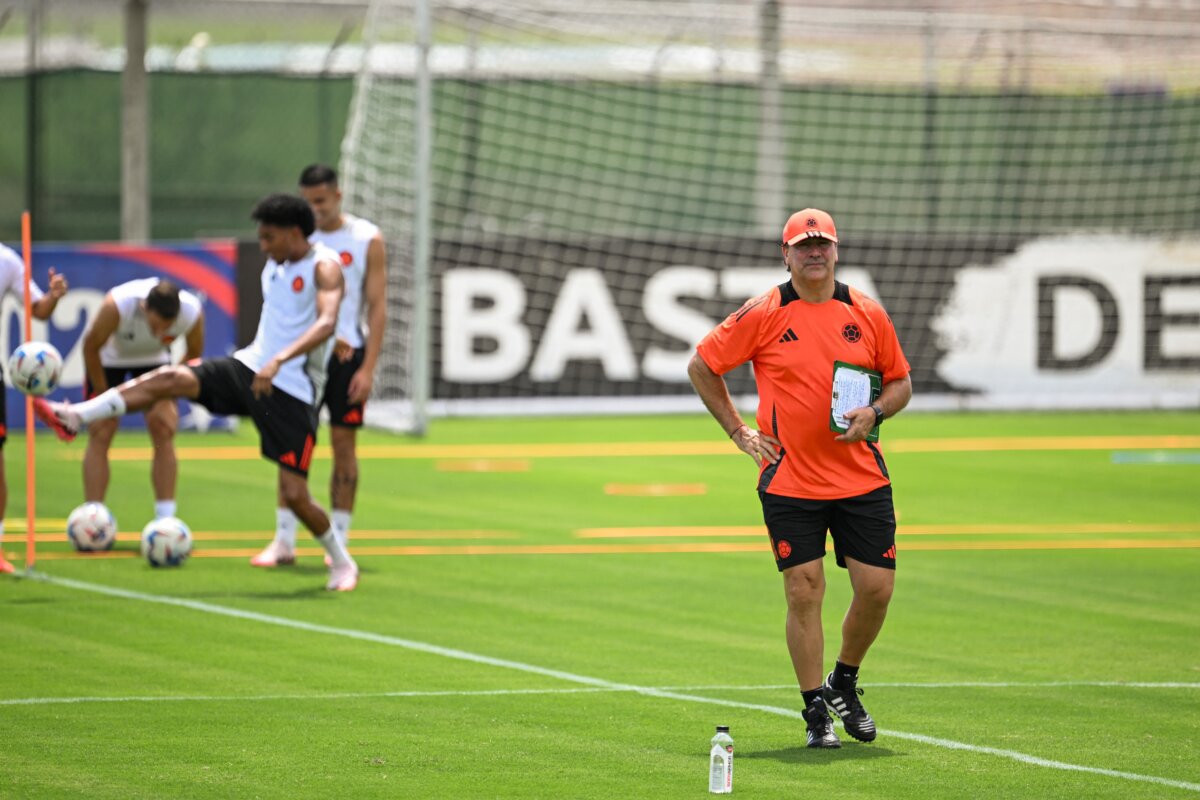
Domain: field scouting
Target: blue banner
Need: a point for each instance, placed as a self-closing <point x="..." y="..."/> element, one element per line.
<point x="206" y="269"/>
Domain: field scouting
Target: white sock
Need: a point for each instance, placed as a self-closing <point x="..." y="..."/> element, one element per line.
<point x="285" y="527"/>
<point x="164" y="508"/>
<point x="334" y="547"/>
<point x="1" y="532"/>
<point x="106" y="405"/>
<point x="341" y="525"/>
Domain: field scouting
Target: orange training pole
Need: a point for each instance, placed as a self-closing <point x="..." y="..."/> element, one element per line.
<point x="30" y="463"/>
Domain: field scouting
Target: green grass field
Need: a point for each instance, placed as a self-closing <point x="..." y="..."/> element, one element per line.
<point x="533" y="622"/>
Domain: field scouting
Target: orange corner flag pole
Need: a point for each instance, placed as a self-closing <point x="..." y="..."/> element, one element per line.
<point x="30" y="460"/>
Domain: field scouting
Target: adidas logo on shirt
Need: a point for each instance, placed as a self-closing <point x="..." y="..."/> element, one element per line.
<point x="790" y="336"/>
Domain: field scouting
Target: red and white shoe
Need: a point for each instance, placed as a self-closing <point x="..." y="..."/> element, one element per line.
<point x="343" y="578"/>
<point x="6" y="566"/>
<point x="59" y="417"/>
<point x="274" y="555"/>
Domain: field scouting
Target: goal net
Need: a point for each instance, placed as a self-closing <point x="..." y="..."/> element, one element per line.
<point x="1015" y="181"/>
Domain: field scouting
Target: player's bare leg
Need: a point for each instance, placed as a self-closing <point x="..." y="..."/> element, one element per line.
<point x="162" y="420"/>
<point x="161" y="384"/>
<point x="96" y="470"/>
<point x="343" y="482"/>
<point x="873" y="588"/>
<point x="135" y="395"/>
<point x="804" y="587"/>
<point x="343" y="572"/>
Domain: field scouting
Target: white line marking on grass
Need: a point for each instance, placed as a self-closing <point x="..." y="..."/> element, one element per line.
<point x="957" y="685"/>
<point x="199" y="698"/>
<point x="1039" y="685"/>
<point x="476" y="658"/>
<point x="203" y="698"/>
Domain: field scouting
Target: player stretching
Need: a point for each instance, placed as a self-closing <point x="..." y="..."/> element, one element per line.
<point x="275" y="380"/>
<point x="130" y="336"/>
<point x="352" y="366"/>
<point x="12" y="276"/>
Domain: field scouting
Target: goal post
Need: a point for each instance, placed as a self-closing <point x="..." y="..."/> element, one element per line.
<point x="385" y="172"/>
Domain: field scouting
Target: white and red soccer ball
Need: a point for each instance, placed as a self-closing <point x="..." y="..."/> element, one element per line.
<point x="92" y="527"/>
<point x="35" y="368"/>
<point x="166" y="542"/>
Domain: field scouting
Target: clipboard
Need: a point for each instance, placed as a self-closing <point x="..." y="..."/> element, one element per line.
<point x="853" y="387"/>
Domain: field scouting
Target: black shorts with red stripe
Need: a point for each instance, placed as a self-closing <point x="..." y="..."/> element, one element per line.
<point x="287" y="426"/>
<point x="862" y="527"/>
<point x="343" y="413"/>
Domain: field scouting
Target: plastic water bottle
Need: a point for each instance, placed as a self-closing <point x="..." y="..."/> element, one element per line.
<point x="720" y="762"/>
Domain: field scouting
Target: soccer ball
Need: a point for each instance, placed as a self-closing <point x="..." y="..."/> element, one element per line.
<point x="35" y="367"/>
<point x="166" y="542"/>
<point x="92" y="527"/>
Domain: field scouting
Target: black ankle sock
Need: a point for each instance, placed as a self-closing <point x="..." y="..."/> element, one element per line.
<point x="810" y="696"/>
<point x="844" y="677"/>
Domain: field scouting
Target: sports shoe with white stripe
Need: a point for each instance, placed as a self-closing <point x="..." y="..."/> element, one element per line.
<point x="855" y="719"/>
<point x="819" y="726"/>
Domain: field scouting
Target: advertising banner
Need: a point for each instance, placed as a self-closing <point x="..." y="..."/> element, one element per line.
<point x="986" y="322"/>
<point x="205" y="269"/>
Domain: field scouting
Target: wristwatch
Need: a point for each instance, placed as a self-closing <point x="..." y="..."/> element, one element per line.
<point x="878" y="412"/>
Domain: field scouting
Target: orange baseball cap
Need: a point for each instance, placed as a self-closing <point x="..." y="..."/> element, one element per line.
<point x="807" y="224"/>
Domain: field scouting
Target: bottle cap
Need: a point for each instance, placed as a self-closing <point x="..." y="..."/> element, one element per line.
<point x="722" y="729"/>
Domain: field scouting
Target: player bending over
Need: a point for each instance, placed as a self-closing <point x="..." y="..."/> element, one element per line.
<point x="131" y="335"/>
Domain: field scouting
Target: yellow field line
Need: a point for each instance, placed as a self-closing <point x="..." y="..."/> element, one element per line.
<point x="655" y="489"/>
<point x="714" y="447"/>
<point x="1069" y="544"/>
<point x="265" y="535"/>
<point x="671" y="532"/>
<point x="661" y="547"/>
<point x="52" y="535"/>
<point x="1046" y="443"/>
<point x="1051" y="528"/>
<point x="902" y="530"/>
<point x="482" y="465"/>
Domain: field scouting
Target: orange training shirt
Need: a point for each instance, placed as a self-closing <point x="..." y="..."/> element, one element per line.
<point x="792" y="345"/>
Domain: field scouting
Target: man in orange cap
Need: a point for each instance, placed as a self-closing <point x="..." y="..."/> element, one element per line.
<point x="809" y="339"/>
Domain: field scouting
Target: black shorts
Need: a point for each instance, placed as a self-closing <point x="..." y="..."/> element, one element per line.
<point x="287" y="426"/>
<point x="115" y="376"/>
<point x="3" y="413"/>
<point x="343" y="413"/>
<point x="863" y="528"/>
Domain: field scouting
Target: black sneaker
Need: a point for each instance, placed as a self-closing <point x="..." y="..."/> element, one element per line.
<point x="855" y="719"/>
<point x="820" y="725"/>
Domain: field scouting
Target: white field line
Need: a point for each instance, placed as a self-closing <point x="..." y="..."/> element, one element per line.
<point x="598" y="683"/>
<point x="234" y="698"/>
<point x="957" y="685"/>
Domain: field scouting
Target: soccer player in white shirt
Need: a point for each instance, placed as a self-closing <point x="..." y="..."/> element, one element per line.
<point x="360" y="248"/>
<point x="131" y="335"/>
<point x="12" y="279"/>
<point x="276" y="380"/>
